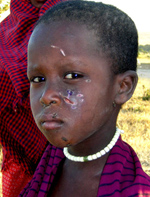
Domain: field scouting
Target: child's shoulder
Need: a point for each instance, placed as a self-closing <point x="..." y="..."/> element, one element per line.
<point x="124" y="173"/>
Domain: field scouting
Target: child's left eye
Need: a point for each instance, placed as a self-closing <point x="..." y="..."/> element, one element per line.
<point x="73" y="76"/>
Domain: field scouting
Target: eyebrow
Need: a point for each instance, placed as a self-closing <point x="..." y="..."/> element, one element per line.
<point x="73" y="62"/>
<point x="68" y="63"/>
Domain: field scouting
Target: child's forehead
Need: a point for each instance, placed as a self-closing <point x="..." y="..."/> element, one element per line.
<point x="63" y="29"/>
<point x="64" y="45"/>
<point x="65" y="35"/>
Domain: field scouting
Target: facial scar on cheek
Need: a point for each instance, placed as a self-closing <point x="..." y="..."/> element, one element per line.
<point x="68" y="101"/>
<point x="61" y="51"/>
<point x="64" y="139"/>
<point x="67" y="98"/>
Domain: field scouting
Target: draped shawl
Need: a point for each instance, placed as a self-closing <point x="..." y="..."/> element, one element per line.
<point x="122" y="174"/>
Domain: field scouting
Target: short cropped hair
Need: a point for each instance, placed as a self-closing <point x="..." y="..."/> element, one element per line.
<point x="115" y="31"/>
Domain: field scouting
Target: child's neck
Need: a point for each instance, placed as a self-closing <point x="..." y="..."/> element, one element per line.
<point x="93" y="144"/>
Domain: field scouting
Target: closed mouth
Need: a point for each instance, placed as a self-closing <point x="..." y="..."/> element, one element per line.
<point x="51" y="124"/>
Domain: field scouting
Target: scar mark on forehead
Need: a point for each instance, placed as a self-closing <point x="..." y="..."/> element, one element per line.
<point x="55" y="47"/>
<point x="61" y="50"/>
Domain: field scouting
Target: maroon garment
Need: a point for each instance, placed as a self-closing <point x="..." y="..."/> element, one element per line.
<point x="122" y="175"/>
<point x="23" y="144"/>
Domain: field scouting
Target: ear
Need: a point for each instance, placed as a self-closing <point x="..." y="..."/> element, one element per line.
<point x="126" y="84"/>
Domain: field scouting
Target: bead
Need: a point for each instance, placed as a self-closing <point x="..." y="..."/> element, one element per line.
<point x="85" y="158"/>
<point x="102" y="152"/>
<point x="89" y="158"/>
<point x="72" y="158"/>
<point x="81" y="159"/>
<point x="78" y="158"/>
<point x="94" y="157"/>
<point x="98" y="154"/>
<point x="110" y="146"/>
<point x="106" y="149"/>
<point x="113" y="142"/>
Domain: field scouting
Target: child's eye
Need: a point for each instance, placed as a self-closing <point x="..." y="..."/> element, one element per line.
<point x="37" y="79"/>
<point x="73" y="76"/>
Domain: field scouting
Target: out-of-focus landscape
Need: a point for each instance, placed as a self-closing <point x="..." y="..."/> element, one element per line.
<point x="134" y="117"/>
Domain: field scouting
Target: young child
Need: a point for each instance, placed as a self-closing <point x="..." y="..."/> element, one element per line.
<point x="82" y="68"/>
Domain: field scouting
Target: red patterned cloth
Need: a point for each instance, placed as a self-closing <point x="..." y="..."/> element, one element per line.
<point x="23" y="144"/>
<point x="14" y="179"/>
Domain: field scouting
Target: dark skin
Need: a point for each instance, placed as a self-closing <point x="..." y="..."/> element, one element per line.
<point x="67" y="59"/>
<point x="83" y="178"/>
<point x="38" y="3"/>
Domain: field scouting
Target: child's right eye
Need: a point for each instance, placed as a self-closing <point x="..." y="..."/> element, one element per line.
<point x="37" y="79"/>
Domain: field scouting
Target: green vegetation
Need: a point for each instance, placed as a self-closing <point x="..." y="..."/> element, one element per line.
<point x="143" y="58"/>
<point x="144" y="48"/>
<point x="144" y="54"/>
<point x="146" y="95"/>
<point x="4" y="6"/>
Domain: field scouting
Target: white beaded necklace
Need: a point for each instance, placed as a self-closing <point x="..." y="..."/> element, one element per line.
<point x="96" y="155"/>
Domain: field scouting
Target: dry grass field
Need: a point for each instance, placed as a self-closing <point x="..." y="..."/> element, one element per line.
<point x="144" y="58"/>
<point x="134" y="119"/>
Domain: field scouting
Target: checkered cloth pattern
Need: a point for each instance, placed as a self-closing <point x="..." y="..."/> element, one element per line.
<point x="23" y="144"/>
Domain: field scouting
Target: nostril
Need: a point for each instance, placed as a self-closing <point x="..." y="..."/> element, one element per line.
<point x="48" y="104"/>
<point x="50" y="97"/>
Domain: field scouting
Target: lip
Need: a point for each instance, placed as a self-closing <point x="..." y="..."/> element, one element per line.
<point x="49" y="123"/>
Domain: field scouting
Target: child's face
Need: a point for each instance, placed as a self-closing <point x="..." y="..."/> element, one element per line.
<point x="72" y="87"/>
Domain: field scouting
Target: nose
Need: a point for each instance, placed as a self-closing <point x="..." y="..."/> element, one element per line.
<point x="50" y="96"/>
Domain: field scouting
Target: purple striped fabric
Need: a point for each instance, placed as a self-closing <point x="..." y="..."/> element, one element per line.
<point x="121" y="176"/>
